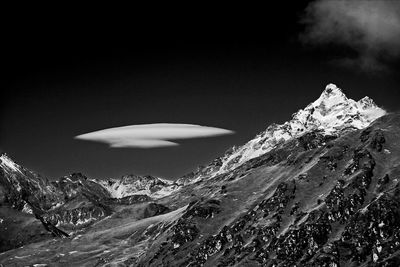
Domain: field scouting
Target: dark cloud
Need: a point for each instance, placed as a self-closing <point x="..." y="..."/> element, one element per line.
<point x="370" y="28"/>
<point x="151" y="135"/>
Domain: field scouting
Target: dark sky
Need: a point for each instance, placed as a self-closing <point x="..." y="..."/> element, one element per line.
<point x="68" y="75"/>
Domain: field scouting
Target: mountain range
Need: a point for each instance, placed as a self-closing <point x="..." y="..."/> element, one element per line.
<point x="322" y="189"/>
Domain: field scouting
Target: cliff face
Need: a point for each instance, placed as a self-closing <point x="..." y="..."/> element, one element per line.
<point x="19" y="185"/>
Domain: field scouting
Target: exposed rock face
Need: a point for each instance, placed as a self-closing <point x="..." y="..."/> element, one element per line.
<point x="78" y="184"/>
<point x="71" y="203"/>
<point x="75" y="217"/>
<point x="327" y="194"/>
<point x="20" y="184"/>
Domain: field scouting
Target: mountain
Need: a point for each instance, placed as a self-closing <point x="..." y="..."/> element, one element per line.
<point x="331" y="114"/>
<point x="68" y="204"/>
<point x="322" y="189"/>
<point x="129" y="185"/>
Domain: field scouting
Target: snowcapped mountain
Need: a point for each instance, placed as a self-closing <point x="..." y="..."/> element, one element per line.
<point x="330" y="114"/>
<point x="130" y="185"/>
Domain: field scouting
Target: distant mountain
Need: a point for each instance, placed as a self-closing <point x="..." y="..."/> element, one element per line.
<point x="129" y="185"/>
<point x="70" y="203"/>
<point x="322" y="189"/>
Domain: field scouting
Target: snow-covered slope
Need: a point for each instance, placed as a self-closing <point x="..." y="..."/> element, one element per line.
<point x="129" y="185"/>
<point x="330" y="114"/>
<point x="8" y="164"/>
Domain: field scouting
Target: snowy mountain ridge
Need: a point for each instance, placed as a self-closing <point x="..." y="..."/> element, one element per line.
<point x="130" y="185"/>
<point x="330" y="114"/>
<point x="7" y="164"/>
<point x="127" y="185"/>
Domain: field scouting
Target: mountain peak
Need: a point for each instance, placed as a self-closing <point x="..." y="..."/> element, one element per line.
<point x="331" y="90"/>
<point x="4" y="156"/>
<point x="331" y="96"/>
<point x="331" y="113"/>
<point x="366" y="102"/>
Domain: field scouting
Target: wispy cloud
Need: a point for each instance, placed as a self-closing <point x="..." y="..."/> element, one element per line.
<point x="370" y="27"/>
<point x="151" y="135"/>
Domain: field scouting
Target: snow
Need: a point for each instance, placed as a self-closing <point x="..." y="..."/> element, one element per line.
<point x="375" y="257"/>
<point x="21" y="257"/>
<point x="57" y="205"/>
<point x="9" y="165"/>
<point x="77" y="237"/>
<point x="169" y="182"/>
<point x="27" y="209"/>
<point x="131" y="185"/>
<point x="330" y="113"/>
<point x="163" y="192"/>
<point x="84" y="221"/>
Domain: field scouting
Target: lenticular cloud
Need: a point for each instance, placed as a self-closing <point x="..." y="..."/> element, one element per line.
<point x="151" y="135"/>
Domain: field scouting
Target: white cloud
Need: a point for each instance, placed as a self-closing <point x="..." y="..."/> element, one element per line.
<point x="151" y="135"/>
<point x="370" y="27"/>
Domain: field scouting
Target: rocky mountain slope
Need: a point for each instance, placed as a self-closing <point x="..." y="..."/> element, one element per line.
<point x="70" y="203"/>
<point x="320" y="190"/>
